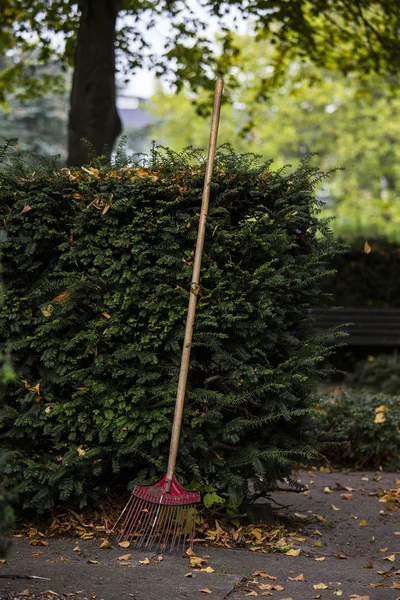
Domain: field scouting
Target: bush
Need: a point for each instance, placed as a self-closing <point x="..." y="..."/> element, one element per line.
<point x="370" y="423"/>
<point x="6" y="512"/>
<point x="378" y="373"/>
<point x="98" y="264"/>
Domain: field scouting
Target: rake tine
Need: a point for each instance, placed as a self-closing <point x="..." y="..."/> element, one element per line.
<point x="144" y="525"/>
<point x="133" y="518"/>
<point x="133" y="505"/>
<point x="192" y="527"/>
<point x="169" y="519"/>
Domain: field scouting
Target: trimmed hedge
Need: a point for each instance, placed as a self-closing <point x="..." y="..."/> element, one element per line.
<point x="97" y="269"/>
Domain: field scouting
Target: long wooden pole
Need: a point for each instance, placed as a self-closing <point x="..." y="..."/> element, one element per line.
<point x="194" y="288"/>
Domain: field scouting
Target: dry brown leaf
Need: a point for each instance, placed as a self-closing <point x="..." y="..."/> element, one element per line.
<point x="296" y="538"/>
<point x="26" y="593"/>
<point x="208" y="570"/>
<point x="335" y="507"/>
<point x="320" y="558"/>
<point x="106" y="315"/>
<point x="363" y="523"/>
<point x="320" y="586"/>
<point x="125" y="557"/>
<point x="252" y="593"/>
<point x="196" y="561"/>
<point x="188" y="574"/>
<point x="396" y="586"/>
<point x="293" y="552"/>
<point x="35" y="542"/>
<point x="342" y="556"/>
<point x="357" y="597"/>
<point x="367" y="248"/>
<point x="347" y="496"/>
<point x="383" y="549"/>
<point x="124" y="564"/>
<point x="25" y="209"/>
<point x="105" y="545"/>
<point x="392" y="558"/>
<point x="318" y="596"/>
<point x="92" y="562"/>
<point x="190" y="552"/>
<point x="264" y="575"/>
<point x="76" y="549"/>
<point x="124" y="544"/>
<point x="298" y="578"/>
<point x="369" y="565"/>
<point x="206" y="591"/>
<point x="145" y="561"/>
<point x="327" y="490"/>
<point x="51" y="593"/>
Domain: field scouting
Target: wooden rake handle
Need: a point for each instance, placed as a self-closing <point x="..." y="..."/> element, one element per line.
<point x="194" y="288"/>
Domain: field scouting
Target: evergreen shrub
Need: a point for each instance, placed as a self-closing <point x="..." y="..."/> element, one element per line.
<point x="369" y="422"/>
<point x="97" y="265"/>
<point x="380" y="373"/>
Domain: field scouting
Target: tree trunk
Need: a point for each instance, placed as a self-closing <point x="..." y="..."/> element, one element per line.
<point x="93" y="114"/>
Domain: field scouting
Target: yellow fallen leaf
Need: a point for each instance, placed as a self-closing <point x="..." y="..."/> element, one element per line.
<point x="124" y="544"/>
<point x="396" y="532"/>
<point x="145" y="561"/>
<point x="392" y="558"/>
<point x="160" y="558"/>
<point x="105" y="545"/>
<point x="298" y="578"/>
<point x="335" y="507"/>
<point x="92" y="562"/>
<point x="320" y="586"/>
<point x="320" y="558"/>
<point x="80" y="450"/>
<point x="337" y="593"/>
<point x="383" y="549"/>
<point x="381" y="408"/>
<point x="206" y="591"/>
<point x="35" y="542"/>
<point x="252" y="593"/>
<point x="363" y="523"/>
<point x="3" y="561"/>
<point x="316" y="532"/>
<point x="188" y="574"/>
<point x="264" y="575"/>
<point x="367" y="248"/>
<point x="293" y="552"/>
<point x="208" y="570"/>
<point x="396" y="586"/>
<point x="124" y="564"/>
<point x="76" y="549"/>
<point x="380" y="417"/>
<point x="353" y="516"/>
<point x="327" y="490"/>
<point x="357" y="597"/>
<point x="125" y="557"/>
<point x="51" y="593"/>
<point x="196" y="561"/>
<point x="342" y="556"/>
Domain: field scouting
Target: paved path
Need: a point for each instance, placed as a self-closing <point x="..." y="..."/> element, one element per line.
<point x="340" y="534"/>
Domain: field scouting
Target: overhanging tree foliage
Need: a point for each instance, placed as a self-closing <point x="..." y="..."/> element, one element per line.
<point x="360" y="35"/>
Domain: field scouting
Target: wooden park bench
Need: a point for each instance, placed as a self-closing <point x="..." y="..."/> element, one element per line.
<point x="370" y="326"/>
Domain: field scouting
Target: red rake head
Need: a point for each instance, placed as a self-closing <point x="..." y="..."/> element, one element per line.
<point x="156" y="492"/>
<point x="155" y="516"/>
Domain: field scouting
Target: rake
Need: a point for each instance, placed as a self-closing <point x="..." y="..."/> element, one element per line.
<point x="163" y="514"/>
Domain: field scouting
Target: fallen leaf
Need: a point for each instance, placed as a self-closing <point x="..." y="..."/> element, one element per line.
<point x="301" y="516"/>
<point x="383" y="549"/>
<point x="125" y="557"/>
<point x="124" y="544"/>
<point x="105" y="545"/>
<point x="357" y="597"/>
<point x="38" y="543"/>
<point x="320" y="586"/>
<point x="25" y="209"/>
<point x="51" y="593"/>
<point x="353" y="516"/>
<point x="317" y="597"/>
<point x="264" y="575"/>
<point x="320" y="558"/>
<point x="392" y="558"/>
<point x="367" y="248"/>
<point x="369" y="565"/>
<point x="188" y="574"/>
<point x="327" y="490"/>
<point x="92" y="562"/>
<point x="80" y="450"/>
<point x="160" y="558"/>
<point x="252" y="593"/>
<point x="363" y="523"/>
<point x="347" y="496"/>
<point x="335" y="507"/>
<point x="341" y="556"/>
<point x="145" y="561"/>
<point x="208" y="570"/>
<point x="293" y="552"/>
<point x="380" y="417"/>
<point x="26" y="593"/>
<point x="195" y="561"/>
<point x="76" y="549"/>
<point x="206" y="591"/>
<point x="337" y="593"/>
<point x="298" y="578"/>
<point x="316" y="532"/>
<point x="124" y="564"/>
<point x="396" y="532"/>
<point x="190" y="552"/>
<point x="296" y="538"/>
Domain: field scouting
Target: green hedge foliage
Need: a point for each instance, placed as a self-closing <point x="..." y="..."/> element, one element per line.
<point x="369" y="423"/>
<point x="6" y="512"/>
<point x="97" y="268"/>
